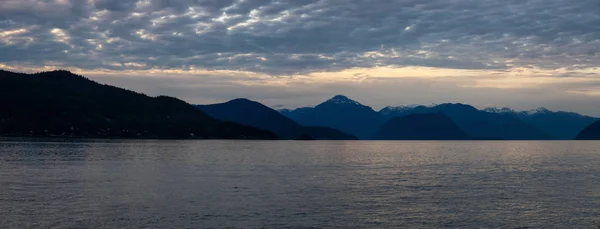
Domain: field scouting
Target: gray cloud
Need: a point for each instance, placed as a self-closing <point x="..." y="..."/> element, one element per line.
<point x="290" y="36"/>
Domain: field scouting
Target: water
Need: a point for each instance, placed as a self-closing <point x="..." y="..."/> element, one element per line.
<point x="293" y="184"/>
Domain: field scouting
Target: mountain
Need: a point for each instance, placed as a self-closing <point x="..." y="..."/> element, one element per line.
<point x="591" y="132"/>
<point x="327" y="133"/>
<point x="60" y="103"/>
<point x="393" y="111"/>
<point x="253" y="114"/>
<point x="503" y="110"/>
<point x="340" y="113"/>
<point x="257" y="115"/>
<point x="427" y="126"/>
<point x="476" y="123"/>
<point x="560" y="124"/>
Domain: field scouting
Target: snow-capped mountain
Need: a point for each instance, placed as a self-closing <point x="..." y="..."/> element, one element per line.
<point x="539" y="110"/>
<point x="342" y="113"/>
<point x="560" y="124"/>
<point x="506" y="110"/>
<point x="398" y="108"/>
<point x="389" y="110"/>
<point x="499" y="110"/>
<point x="341" y="99"/>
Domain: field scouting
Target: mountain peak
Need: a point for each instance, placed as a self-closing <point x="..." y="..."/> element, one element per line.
<point x="539" y="110"/>
<point x="392" y="109"/>
<point x="341" y="99"/>
<point x="408" y="107"/>
<point x="243" y="102"/>
<point x="58" y="72"/>
<point x="62" y="75"/>
<point x="240" y="100"/>
<point x="460" y="106"/>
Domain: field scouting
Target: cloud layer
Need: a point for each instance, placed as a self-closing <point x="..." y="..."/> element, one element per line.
<point x="553" y="39"/>
<point x="283" y="37"/>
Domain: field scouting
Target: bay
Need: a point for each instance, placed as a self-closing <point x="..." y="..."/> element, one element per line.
<point x="299" y="184"/>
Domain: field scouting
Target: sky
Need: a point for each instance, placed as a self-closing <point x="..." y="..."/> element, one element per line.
<point x="521" y="54"/>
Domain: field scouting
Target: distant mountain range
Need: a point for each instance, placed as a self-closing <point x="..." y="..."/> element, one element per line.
<point x="257" y="115"/>
<point x="62" y="104"/>
<point x="476" y="123"/>
<point x="559" y="124"/>
<point x="348" y="115"/>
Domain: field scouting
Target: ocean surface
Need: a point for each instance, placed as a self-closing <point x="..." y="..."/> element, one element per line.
<point x="300" y="184"/>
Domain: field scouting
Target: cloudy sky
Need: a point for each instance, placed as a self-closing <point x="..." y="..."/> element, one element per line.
<point x="289" y="53"/>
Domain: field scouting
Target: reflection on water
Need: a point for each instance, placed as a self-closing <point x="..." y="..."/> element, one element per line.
<point x="293" y="184"/>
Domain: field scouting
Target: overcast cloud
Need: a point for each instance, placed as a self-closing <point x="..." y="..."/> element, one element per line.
<point x="519" y="53"/>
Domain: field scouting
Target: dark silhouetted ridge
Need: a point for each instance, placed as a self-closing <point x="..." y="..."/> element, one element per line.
<point x="428" y="126"/>
<point x="558" y="124"/>
<point x="60" y="103"/>
<point x="591" y="132"/>
<point x="304" y="137"/>
<point x="327" y="133"/>
<point x="257" y="115"/>
<point x="476" y="123"/>
<point x="253" y="114"/>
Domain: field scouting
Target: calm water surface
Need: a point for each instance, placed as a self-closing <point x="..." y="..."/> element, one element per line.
<point x="293" y="184"/>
